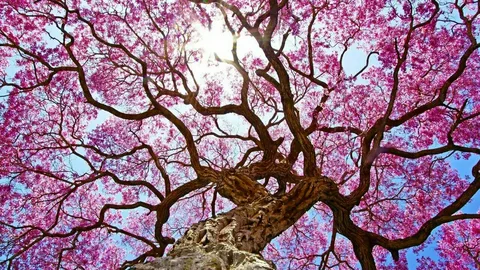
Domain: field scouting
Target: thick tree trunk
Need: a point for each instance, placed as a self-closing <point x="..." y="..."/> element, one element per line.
<point x="234" y="239"/>
<point x="228" y="241"/>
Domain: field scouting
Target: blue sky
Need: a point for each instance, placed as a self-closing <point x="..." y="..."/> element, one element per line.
<point x="354" y="61"/>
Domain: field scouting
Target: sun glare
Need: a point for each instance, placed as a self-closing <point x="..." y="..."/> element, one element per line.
<point x="215" y="41"/>
<point x="219" y="41"/>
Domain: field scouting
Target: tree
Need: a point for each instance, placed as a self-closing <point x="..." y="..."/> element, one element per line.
<point x="326" y="142"/>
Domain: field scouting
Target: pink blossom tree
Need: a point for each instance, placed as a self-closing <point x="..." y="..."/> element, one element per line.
<point x="323" y="138"/>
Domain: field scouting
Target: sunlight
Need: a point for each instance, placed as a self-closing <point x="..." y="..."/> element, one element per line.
<point x="216" y="40"/>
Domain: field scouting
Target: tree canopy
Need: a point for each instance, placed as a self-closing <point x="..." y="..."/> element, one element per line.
<point x="332" y="126"/>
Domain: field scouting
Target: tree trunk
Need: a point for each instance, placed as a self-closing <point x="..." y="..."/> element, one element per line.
<point x="228" y="241"/>
<point x="233" y="240"/>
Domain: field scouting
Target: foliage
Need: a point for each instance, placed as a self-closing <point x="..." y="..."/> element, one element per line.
<point x="117" y="127"/>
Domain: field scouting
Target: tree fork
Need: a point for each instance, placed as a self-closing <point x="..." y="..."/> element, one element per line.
<point x="234" y="239"/>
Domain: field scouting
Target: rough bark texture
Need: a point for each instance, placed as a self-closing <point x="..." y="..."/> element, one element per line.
<point x="234" y="239"/>
<point x="227" y="241"/>
<point x="222" y="257"/>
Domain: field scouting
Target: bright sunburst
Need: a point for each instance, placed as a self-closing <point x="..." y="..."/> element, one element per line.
<point x="215" y="40"/>
<point x="219" y="41"/>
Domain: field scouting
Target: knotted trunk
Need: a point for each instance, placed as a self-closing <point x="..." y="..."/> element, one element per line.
<point x="234" y="239"/>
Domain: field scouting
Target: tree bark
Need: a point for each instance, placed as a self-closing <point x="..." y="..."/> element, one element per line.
<point x="233" y="240"/>
<point x="228" y="241"/>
